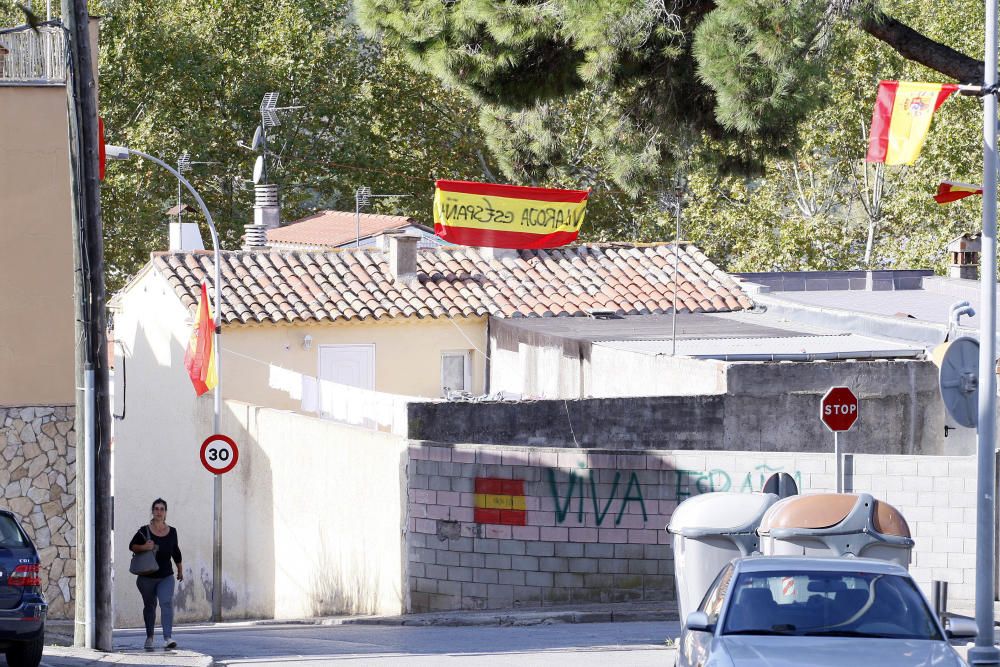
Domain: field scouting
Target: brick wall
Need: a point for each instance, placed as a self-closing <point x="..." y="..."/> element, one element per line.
<point x="550" y="526"/>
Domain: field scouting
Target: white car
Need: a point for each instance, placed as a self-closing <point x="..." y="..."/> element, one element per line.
<point x="768" y="611"/>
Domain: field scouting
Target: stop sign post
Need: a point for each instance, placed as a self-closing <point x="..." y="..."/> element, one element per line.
<point x="838" y="411"/>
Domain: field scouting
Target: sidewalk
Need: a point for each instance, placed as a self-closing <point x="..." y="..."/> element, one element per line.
<point x="59" y="651"/>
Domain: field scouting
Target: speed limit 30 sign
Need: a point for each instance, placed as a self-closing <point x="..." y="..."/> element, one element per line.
<point x="219" y="454"/>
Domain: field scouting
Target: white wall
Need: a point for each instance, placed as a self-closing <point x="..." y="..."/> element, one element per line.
<point x="312" y="517"/>
<point x="614" y="373"/>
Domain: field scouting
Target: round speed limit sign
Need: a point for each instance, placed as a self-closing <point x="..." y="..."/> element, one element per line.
<point x="219" y="454"/>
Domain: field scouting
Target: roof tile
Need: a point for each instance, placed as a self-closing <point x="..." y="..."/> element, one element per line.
<point x="303" y="286"/>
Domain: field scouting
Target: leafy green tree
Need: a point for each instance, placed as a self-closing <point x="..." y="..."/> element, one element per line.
<point x="744" y="73"/>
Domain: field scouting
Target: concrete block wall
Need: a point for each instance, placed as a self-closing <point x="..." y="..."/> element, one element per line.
<point x="591" y="524"/>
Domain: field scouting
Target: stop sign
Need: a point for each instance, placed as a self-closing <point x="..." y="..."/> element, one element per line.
<point x="839" y="409"/>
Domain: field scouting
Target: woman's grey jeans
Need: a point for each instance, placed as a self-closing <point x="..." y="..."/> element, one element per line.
<point x="157" y="589"/>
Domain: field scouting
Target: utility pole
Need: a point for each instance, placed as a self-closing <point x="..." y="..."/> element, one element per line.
<point x="93" y="422"/>
<point x="984" y="652"/>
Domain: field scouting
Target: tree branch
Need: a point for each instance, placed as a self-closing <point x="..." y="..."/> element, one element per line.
<point x="916" y="47"/>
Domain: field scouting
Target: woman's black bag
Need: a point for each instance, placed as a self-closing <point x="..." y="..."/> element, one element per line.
<point x="144" y="563"/>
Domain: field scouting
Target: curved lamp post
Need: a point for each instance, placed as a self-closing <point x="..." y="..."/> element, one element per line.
<point x="123" y="153"/>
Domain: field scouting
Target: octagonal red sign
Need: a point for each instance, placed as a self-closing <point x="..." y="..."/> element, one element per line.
<point x="839" y="409"/>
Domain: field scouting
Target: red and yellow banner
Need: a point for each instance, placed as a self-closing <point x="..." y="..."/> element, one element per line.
<point x="500" y="501"/>
<point x="199" y="359"/>
<point x="507" y="216"/>
<point x="902" y="117"/>
<point x="949" y="191"/>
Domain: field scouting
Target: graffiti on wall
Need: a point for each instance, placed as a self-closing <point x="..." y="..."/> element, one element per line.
<point x="500" y="501"/>
<point x="689" y="483"/>
<point x="580" y="485"/>
<point x="630" y="493"/>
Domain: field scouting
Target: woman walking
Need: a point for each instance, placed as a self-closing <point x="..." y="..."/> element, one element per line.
<point x="158" y="586"/>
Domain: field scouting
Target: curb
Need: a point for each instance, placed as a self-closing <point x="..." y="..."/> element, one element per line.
<point x="130" y="657"/>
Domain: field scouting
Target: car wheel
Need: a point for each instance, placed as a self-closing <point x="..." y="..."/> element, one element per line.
<point x="26" y="654"/>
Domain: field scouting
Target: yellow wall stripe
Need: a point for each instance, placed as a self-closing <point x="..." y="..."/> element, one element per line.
<point x="492" y="501"/>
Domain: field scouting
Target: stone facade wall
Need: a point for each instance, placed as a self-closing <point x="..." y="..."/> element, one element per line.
<point x="37" y="483"/>
<point x="493" y="527"/>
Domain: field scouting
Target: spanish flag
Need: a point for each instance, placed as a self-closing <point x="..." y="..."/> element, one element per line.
<point x="199" y="360"/>
<point x="949" y="191"/>
<point x="903" y="111"/>
<point x="507" y="216"/>
<point x="500" y="501"/>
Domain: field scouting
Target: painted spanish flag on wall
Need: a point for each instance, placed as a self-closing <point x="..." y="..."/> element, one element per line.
<point x="500" y="501"/>
<point x="199" y="360"/>
<point x="903" y="111"/>
<point x="949" y="191"/>
<point x="507" y="216"/>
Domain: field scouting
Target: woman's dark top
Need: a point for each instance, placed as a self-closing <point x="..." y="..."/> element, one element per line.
<point x="167" y="549"/>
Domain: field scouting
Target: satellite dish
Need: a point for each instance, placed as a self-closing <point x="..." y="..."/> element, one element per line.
<point x="258" y="138"/>
<point x="258" y="169"/>
<point x="959" y="379"/>
<point x="781" y="484"/>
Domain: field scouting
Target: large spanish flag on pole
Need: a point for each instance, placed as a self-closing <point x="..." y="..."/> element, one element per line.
<point x="903" y="111"/>
<point x="199" y="360"/>
<point x="507" y="216"/>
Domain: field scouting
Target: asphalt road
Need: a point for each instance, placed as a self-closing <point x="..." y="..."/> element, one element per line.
<point x="578" y="645"/>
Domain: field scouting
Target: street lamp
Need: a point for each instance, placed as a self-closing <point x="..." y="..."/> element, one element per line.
<point x="123" y="153"/>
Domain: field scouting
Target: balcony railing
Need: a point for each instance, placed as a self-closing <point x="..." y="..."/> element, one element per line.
<point x="27" y="56"/>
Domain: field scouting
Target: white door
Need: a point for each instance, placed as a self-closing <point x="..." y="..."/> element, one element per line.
<point x="347" y="366"/>
<point x="353" y="365"/>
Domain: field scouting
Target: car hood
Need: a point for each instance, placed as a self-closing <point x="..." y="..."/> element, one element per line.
<point x="750" y="651"/>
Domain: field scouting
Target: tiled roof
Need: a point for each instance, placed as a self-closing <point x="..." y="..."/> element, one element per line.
<point x="332" y="229"/>
<point x="349" y="284"/>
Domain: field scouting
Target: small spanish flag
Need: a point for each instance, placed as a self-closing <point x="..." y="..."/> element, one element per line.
<point x="500" y="501"/>
<point x="199" y="359"/>
<point x="949" y="191"/>
<point x="902" y="117"/>
<point x="507" y="216"/>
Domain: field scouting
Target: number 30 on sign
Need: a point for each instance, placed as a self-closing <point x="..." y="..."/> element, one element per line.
<point x="219" y="454"/>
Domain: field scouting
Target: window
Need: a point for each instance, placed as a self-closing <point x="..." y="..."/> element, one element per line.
<point x="456" y="371"/>
<point x="829" y="604"/>
<point x="716" y="595"/>
<point x="11" y="536"/>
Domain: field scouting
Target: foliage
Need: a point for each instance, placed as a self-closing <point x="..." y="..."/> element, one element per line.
<point x="189" y="75"/>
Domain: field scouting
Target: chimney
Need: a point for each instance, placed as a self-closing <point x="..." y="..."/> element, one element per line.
<point x="499" y="254"/>
<point x="403" y="257"/>
<point x="964" y="253"/>
<point x="266" y="215"/>
<point x="183" y="236"/>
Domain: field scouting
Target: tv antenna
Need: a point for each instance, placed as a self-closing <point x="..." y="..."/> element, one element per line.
<point x="269" y="117"/>
<point x="363" y="197"/>
<point x="184" y="164"/>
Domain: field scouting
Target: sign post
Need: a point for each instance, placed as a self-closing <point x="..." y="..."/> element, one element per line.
<point x="838" y="411"/>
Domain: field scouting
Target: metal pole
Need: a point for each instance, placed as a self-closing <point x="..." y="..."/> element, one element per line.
<point x="179" y="200"/>
<point x="357" y="220"/>
<point x="839" y="468"/>
<point x="984" y="652"/>
<point x="217" y="340"/>
<point x="88" y="507"/>
<point x="677" y="255"/>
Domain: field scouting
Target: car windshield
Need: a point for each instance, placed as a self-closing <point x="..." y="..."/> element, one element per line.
<point x="831" y="604"/>
<point x="10" y="535"/>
